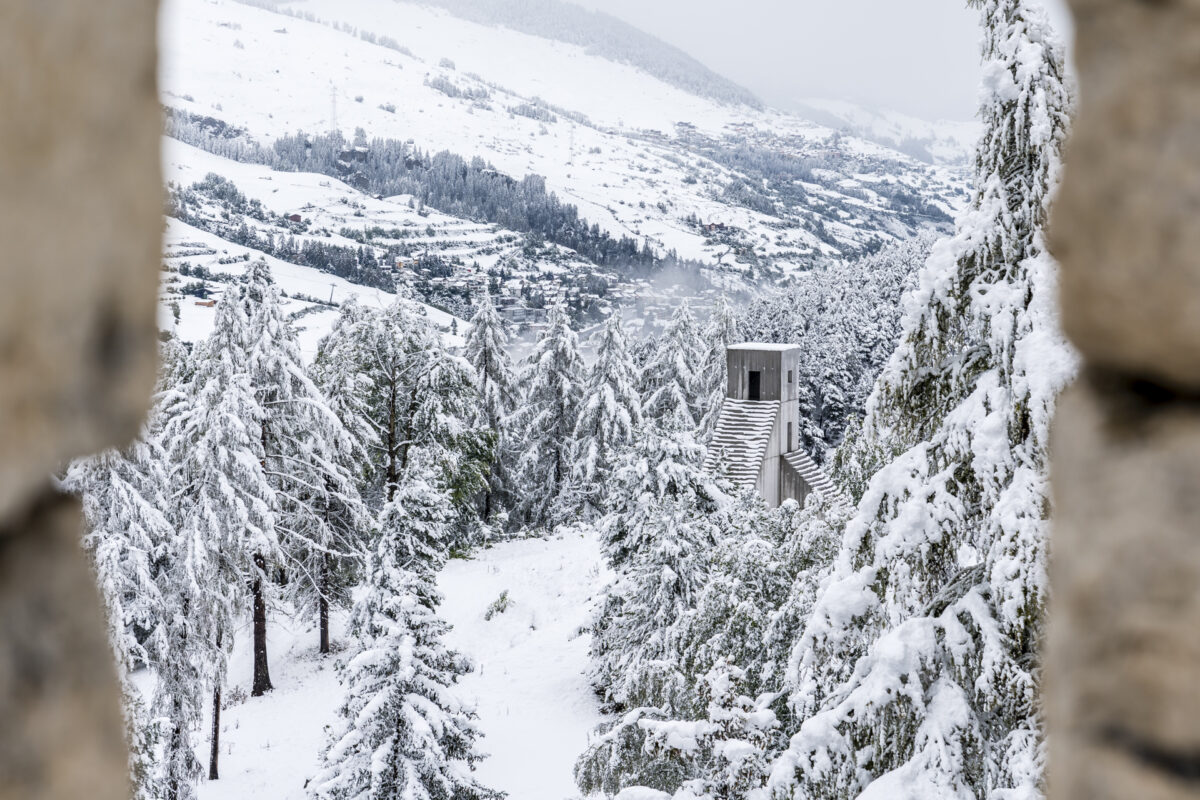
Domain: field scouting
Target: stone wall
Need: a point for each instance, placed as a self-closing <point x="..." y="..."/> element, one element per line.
<point x="1123" y="646"/>
<point x="80" y="227"/>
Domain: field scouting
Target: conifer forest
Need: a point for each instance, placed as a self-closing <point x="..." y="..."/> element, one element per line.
<point x="444" y="494"/>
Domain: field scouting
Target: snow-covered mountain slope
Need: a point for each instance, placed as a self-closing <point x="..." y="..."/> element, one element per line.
<point x="316" y="231"/>
<point x="603" y="35"/>
<point x="940" y="142"/>
<point x="198" y="262"/>
<point x="751" y="190"/>
<point x="536" y="707"/>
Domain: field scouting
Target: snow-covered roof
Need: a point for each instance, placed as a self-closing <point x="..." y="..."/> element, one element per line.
<point x="774" y="348"/>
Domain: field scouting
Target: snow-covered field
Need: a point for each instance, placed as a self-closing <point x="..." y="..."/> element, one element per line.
<point x="535" y="705"/>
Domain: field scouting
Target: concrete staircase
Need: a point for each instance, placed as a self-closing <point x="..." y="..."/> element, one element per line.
<point x="740" y="440"/>
<point x="814" y="476"/>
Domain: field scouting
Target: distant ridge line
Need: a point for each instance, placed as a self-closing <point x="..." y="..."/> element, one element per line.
<point x="603" y="35"/>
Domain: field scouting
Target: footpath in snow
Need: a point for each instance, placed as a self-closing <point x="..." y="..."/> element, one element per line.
<point x="536" y="706"/>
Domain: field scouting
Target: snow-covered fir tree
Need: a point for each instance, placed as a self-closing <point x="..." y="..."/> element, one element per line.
<point x="388" y="348"/>
<point x="609" y="415"/>
<point x="223" y="503"/>
<point x="659" y="467"/>
<point x="728" y="749"/>
<point x="311" y="462"/>
<point x="669" y="378"/>
<point x="183" y="668"/>
<point x="404" y="734"/>
<point x="327" y="547"/>
<point x="411" y="393"/>
<point x="553" y="386"/>
<point x="487" y="352"/>
<point x="345" y="385"/>
<point x="446" y="426"/>
<point x="712" y="379"/>
<point x="289" y="429"/>
<point x="917" y="672"/>
<point x="760" y="571"/>
<point x="751" y="570"/>
<point x="638" y="668"/>
<point x="661" y="525"/>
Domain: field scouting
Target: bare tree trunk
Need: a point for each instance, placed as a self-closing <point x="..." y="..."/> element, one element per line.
<point x="393" y="473"/>
<point x="215" y="749"/>
<point x="262" y="674"/>
<point x="323" y="604"/>
<point x="173" y="747"/>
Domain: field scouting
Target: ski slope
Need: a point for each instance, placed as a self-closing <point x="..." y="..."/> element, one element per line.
<point x="536" y="707"/>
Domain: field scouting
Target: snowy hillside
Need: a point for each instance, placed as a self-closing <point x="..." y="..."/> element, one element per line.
<point x="200" y="262"/>
<point x="941" y="142"/>
<point x="606" y="36"/>
<point x="736" y="188"/>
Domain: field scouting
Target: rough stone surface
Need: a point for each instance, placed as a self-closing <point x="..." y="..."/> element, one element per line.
<point x="81" y="225"/>
<point x="1125" y="226"/>
<point x="1098" y="772"/>
<point x="1123" y="651"/>
<point x="62" y="731"/>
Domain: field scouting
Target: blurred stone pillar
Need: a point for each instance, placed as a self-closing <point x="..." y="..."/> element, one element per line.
<point x="80" y="242"/>
<point x="1123" y="645"/>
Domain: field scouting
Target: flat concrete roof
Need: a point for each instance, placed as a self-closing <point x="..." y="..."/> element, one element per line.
<point x="774" y="348"/>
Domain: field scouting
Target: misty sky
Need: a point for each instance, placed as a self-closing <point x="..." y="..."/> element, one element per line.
<point x="916" y="56"/>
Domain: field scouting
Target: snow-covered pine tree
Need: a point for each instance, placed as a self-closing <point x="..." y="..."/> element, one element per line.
<point x="391" y="348"/>
<point x="917" y="672"/>
<point x="330" y="552"/>
<point x="553" y="385"/>
<point x="750" y="575"/>
<point x="445" y="426"/>
<point x="308" y="463"/>
<point x="404" y="734"/>
<point x="640" y="664"/>
<point x="183" y="668"/>
<point x="636" y="661"/>
<point x="656" y="536"/>
<point x="223" y="503"/>
<point x="712" y="379"/>
<point x="127" y="538"/>
<point x="338" y="374"/>
<point x="487" y="351"/>
<point x="660" y="466"/>
<point x="609" y="415"/>
<point x="729" y="748"/>
<point x="669" y="379"/>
